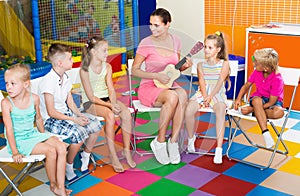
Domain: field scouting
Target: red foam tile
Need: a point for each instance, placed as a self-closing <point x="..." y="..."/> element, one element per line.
<point x="206" y="162"/>
<point x="226" y="185"/>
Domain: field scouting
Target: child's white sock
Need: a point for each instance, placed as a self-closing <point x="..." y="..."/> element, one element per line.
<point x="218" y="155"/>
<point x="70" y="174"/>
<point x="191" y="144"/>
<point x="85" y="159"/>
<point x="268" y="139"/>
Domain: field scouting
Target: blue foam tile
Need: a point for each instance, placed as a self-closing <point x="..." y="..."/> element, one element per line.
<point x="2" y="141"/>
<point x="260" y="190"/>
<point x="84" y="183"/>
<point x="241" y="151"/>
<point x="212" y="132"/>
<point x="100" y="138"/>
<point x="294" y="114"/>
<point x="249" y="173"/>
<point x="296" y="127"/>
<point x="207" y="117"/>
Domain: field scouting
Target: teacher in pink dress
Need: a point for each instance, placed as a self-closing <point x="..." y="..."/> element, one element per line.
<point x="157" y="51"/>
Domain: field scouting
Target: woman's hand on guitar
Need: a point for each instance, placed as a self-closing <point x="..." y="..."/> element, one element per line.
<point x="162" y="78"/>
<point x="188" y="63"/>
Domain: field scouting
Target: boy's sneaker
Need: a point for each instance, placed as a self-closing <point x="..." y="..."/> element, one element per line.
<point x="160" y="151"/>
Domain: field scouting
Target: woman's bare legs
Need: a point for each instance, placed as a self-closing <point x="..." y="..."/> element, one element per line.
<point x="173" y="106"/>
<point x="55" y="152"/>
<point x="179" y="114"/>
<point x="168" y="100"/>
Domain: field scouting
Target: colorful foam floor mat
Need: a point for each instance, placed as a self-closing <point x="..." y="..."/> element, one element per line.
<point x="195" y="175"/>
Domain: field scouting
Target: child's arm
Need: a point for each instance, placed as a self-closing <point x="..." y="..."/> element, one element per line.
<point x="220" y="83"/>
<point x="110" y="85"/>
<point x="202" y="85"/>
<point x="111" y="91"/>
<point x="38" y="116"/>
<point x="52" y="112"/>
<point x="243" y="91"/>
<point x="71" y="105"/>
<point x="84" y="76"/>
<point x="276" y="87"/>
<point x="6" y="109"/>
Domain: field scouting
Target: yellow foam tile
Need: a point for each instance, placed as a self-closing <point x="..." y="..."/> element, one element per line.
<point x="293" y="148"/>
<point x="8" y="170"/>
<point x="292" y="166"/>
<point x="27" y="184"/>
<point x="256" y="129"/>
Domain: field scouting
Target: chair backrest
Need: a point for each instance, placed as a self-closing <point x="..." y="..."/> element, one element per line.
<point x="130" y="63"/>
<point x="73" y="74"/>
<point x="234" y="68"/>
<point x="34" y="84"/>
<point x="290" y="77"/>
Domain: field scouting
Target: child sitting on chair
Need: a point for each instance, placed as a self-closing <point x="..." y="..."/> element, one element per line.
<point x="99" y="97"/>
<point x="212" y="74"/>
<point x="267" y="101"/>
<point x="60" y="113"/>
<point x="20" y="110"/>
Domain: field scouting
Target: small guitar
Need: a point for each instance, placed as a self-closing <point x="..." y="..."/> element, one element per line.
<point x="173" y="71"/>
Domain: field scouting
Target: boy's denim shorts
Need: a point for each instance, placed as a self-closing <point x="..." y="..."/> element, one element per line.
<point x="266" y="100"/>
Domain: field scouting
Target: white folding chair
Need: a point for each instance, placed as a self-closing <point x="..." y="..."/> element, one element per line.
<point x="290" y="78"/>
<point x="233" y="73"/>
<point x="31" y="163"/>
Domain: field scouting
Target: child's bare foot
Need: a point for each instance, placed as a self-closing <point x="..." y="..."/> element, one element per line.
<point x="59" y="191"/>
<point x="129" y="159"/>
<point x="68" y="191"/>
<point x="246" y="110"/>
<point x="117" y="166"/>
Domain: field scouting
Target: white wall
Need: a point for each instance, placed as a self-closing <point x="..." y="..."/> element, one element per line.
<point x="187" y="21"/>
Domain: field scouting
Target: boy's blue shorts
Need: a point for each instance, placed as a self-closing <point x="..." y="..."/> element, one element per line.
<point x="266" y="100"/>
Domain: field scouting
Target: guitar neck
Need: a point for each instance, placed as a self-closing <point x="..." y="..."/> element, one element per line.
<point x="182" y="61"/>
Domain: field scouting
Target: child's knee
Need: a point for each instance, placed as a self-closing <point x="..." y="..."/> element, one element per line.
<point x="51" y="153"/>
<point x="61" y="149"/>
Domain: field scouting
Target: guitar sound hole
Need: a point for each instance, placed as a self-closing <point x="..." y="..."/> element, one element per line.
<point x="169" y="74"/>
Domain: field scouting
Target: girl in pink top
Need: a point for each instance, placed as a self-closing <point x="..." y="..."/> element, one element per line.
<point x="158" y="50"/>
<point x="266" y="101"/>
